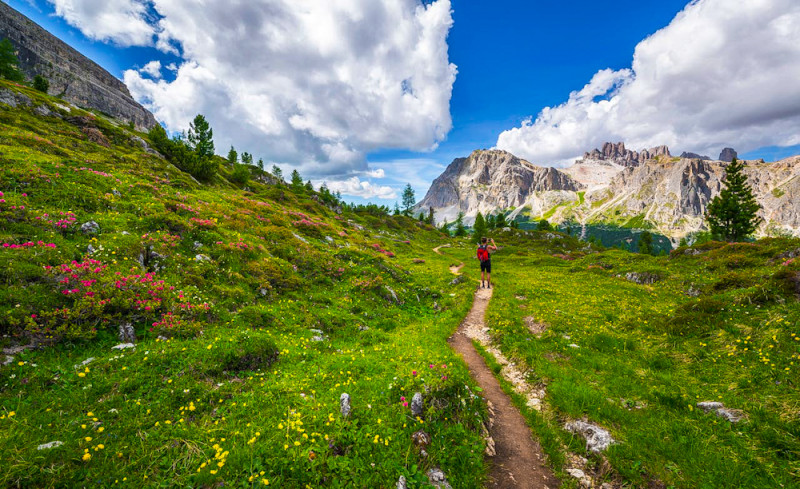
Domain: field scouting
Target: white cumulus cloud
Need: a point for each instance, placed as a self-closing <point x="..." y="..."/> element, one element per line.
<point x="356" y="187"/>
<point x="123" y="22"/>
<point x="722" y="73"/>
<point x="152" y="68"/>
<point x="309" y="83"/>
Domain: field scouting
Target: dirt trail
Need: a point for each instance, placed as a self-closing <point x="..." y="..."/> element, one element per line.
<point x="456" y="269"/>
<point x="436" y="250"/>
<point x="519" y="461"/>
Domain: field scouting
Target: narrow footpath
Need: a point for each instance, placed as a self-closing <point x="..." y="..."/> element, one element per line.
<point x="518" y="461"/>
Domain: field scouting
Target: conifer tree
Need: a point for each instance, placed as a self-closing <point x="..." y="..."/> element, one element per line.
<point x="233" y="157"/>
<point x="277" y="172"/>
<point x="201" y="137"/>
<point x="460" y="230"/>
<point x="261" y="164"/>
<point x="9" y="63"/>
<point x="732" y="215"/>
<point x="41" y="84"/>
<point x="479" y="228"/>
<point x="408" y="199"/>
<point x="297" y="181"/>
<point x="430" y="216"/>
<point x="396" y="209"/>
<point x="646" y="243"/>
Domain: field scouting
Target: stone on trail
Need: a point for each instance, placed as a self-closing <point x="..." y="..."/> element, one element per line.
<point x="437" y="479"/>
<point x="52" y="444"/>
<point x="597" y="439"/>
<point x="123" y="346"/>
<point x="416" y="405"/>
<point x="344" y="404"/>
<point x="583" y="479"/>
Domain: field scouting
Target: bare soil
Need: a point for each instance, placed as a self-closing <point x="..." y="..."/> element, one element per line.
<point x="518" y="461"/>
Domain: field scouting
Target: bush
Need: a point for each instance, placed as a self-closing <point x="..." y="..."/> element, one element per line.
<point x="241" y="174"/>
<point x="41" y="84"/>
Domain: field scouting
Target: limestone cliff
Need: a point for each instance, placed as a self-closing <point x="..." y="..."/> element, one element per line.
<point x="72" y="76"/>
<point x="490" y="180"/>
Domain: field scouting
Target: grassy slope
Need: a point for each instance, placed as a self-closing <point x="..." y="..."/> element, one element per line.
<point x="654" y="346"/>
<point x="178" y="412"/>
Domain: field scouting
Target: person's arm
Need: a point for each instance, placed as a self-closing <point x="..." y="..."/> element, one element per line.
<point x="493" y="246"/>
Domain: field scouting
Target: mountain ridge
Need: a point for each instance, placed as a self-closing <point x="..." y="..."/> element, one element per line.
<point x="72" y="76"/>
<point x="648" y="189"/>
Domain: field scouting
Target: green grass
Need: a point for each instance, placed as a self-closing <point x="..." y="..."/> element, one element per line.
<point x="236" y="391"/>
<point x="656" y="346"/>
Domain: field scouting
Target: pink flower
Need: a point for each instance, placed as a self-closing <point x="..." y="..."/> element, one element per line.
<point x="24" y="195"/>
<point x="414" y="373"/>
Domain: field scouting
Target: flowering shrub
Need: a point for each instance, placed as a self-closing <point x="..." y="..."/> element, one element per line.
<point x="203" y="223"/>
<point x="29" y="244"/>
<point x="96" y="297"/>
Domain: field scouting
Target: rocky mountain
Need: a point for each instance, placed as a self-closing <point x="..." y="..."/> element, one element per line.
<point x="728" y="154"/>
<point x="616" y="153"/>
<point x="694" y="156"/>
<point x="614" y="186"/>
<point x="72" y="76"/>
<point x="488" y="180"/>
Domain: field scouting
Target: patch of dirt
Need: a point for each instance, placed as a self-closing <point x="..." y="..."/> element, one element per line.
<point x="456" y="269"/>
<point x="518" y="461"/>
<point x="535" y="327"/>
<point x="436" y="250"/>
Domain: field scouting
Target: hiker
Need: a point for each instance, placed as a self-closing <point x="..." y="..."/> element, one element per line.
<point x="484" y="255"/>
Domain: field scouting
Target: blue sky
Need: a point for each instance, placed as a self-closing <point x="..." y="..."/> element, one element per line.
<point x="514" y="58"/>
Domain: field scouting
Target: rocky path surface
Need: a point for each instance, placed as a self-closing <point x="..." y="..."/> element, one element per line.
<point x="518" y="461"/>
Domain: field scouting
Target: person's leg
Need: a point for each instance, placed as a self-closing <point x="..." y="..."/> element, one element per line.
<point x="483" y="275"/>
<point x="489" y="279"/>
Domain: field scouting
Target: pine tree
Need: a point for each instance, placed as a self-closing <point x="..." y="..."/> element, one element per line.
<point x="460" y="230"/>
<point x="261" y="164"/>
<point x="479" y="228"/>
<point x="491" y="222"/>
<point x="732" y="215"/>
<point x="309" y="186"/>
<point x="646" y="243"/>
<point x="277" y="172"/>
<point x="201" y="137"/>
<point x="247" y="158"/>
<point x="233" y="157"/>
<point x="500" y="221"/>
<point x="408" y="199"/>
<point x="430" y="216"/>
<point x="9" y="63"/>
<point x="297" y="181"/>
<point x="396" y="209"/>
<point x="544" y="225"/>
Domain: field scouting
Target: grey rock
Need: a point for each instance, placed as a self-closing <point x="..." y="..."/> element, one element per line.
<point x="344" y="405"/>
<point x="52" y="444"/>
<point x="197" y="245"/>
<point x="694" y="156"/>
<point x="437" y="479"/>
<point x="126" y="333"/>
<point x="116" y="192"/>
<point x="12" y="98"/>
<point x="642" y="278"/>
<point x="201" y="258"/>
<point x="123" y="346"/>
<point x="143" y="144"/>
<point x="42" y="111"/>
<point x="692" y="292"/>
<point x="8" y="360"/>
<point x="319" y="335"/>
<point x="300" y="238"/>
<point x="597" y="438"/>
<point x="421" y="439"/>
<point x="417" y="406"/>
<point x="458" y="280"/>
<point x="392" y="294"/>
<point x="71" y="74"/>
<point x="401" y="483"/>
<point x="617" y="153"/>
<point x="90" y="227"/>
<point x="85" y="362"/>
<point x="728" y="154"/>
<point x="91" y="249"/>
<point x="732" y="415"/>
<point x="573" y="345"/>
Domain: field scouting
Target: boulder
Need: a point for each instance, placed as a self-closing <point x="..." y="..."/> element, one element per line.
<point x="90" y="227"/>
<point x="597" y="438"/>
<point x="417" y="406"/>
<point x="437" y="479"/>
<point x="52" y="444"/>
<point x="732" y="415"/>
<point x="344" y="405"/>
<point x="126" y="333"/>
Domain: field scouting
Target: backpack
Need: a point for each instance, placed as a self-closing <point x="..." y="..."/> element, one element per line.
<point x="483" y="253"/>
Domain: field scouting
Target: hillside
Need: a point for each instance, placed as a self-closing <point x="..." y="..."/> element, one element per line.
<point x="253" y="311"/>
<point x="161" y="332"/>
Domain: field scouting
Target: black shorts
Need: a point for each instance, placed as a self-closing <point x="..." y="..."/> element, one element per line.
<point x="486" y="266"/>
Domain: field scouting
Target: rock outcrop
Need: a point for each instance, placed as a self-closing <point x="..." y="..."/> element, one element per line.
<point x="616" y="153"/>
<point x="694" y="156"/>
<point x="489" y="180"/>
<point x="72" y="76"/>
<point x="728" y="154"/>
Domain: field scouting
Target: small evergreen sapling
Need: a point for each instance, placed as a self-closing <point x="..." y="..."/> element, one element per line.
<point x="733" y="214"/>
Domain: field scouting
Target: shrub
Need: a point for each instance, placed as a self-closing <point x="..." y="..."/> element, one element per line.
<point x="41" y="84"/>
